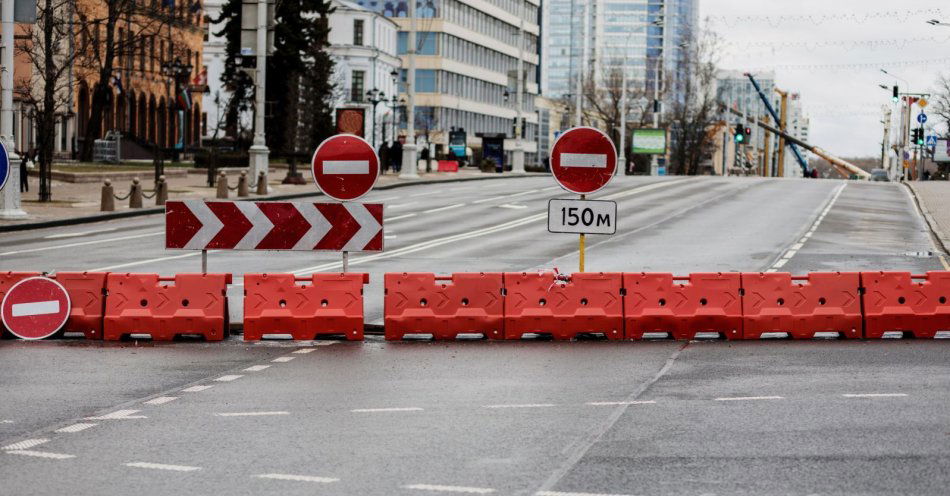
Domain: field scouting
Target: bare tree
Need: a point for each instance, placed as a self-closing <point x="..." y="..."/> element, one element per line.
<point x="941" y="101"/>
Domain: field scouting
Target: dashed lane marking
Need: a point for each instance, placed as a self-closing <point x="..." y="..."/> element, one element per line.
<point x="250" y="414"/>
<point x="149" y="261"/>
<point x="161" y="400"/>
<point x="528" y="405"/>
<point x="119" y="415"/>
<point x="559" y="493"/>
<point x="450" y="489"/>
<point x="76" y="427"/>
<point x="162" y="466"/>
<point x="25" y="444"/>
<point x="283" y="359"/>
<point x="793" y="250"/>
<point x="301" y="478"/>
<point x="78" y="234"/>
<point x="875" y="395"/>
<point x="513" y="206"/>
<point x="400" y="217"/>
<point x="256" y="368"/>
<point x="41" y="454"/>
<point x="618" y="403"/>
<point x="943" y="260"/>
<point x="5" y="421"/>
<point x="196" y="389"/>
<point x="397" y="409"/>
<point x="304" y="351"/>
<point x="82" y="243"/>
<point x="401" y="205"/>
<point x="442" y="209"/>
<point x="228" y="378"/>
<point x="750" y="398"/>
<point x="512" y="195"/>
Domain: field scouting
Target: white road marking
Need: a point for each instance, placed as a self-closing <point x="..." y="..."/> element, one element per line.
<point x="5" y="421"/>
<point x="256" y="368"/>
<point x="283" y="359"/>
<point x="771" y="270"/>
<point x="551" y="188"/>
<point x="512" y="195"/>
<point x="304" y="351"/>
<point x="83" y="243"/>
<point x="401" y="205"/>
<point x="161" y="400"/>
<point x="588" y="160"/>
<point x="146" y="262"/>
<point x="617" y="403"/>
<point x="34" y="308"/>
<point x="398" y="409"/>
<point x="442" y="209"/>
<point x="162" y="466"/>
<point x="450" y="489"/>
<point x="513" y="206"/>
<point x="76" y="427"/>
<point x="41" y="454"/>
<point x="793" y="250"/>
<point x="874" y="395"/>
<point x="559" y="493"/>
<point x="250" y="414"/>
<point x="389" y="236"/>
<point x="119" y="415"/>
<point x="527" y="405"/>
<point x="301" y="478"/>
<point x="228" y="378"/>
<point x="797" y="246"/>
<point x="77" y="234"/>
<point x="25" y="444"/>
<point x="781" y="263"/>
<point x="400" y="217"/>
<point x="387" y="198"/>
<point x="643" y="189"/>
<point x="195" y="389"/>
<point x="427" y="193"/>
<point x="346" y="167"/>
<point x="790" y="253"/>
<point x="750" y="398"/>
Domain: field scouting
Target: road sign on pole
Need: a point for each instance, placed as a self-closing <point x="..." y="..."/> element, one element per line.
<point x="345" y="167"/>
<point x="921" y="117"/>
<point x="582" y="216"/>
<point x="931" y="141"/>
<point x="35" y="308"/>
<point x="583" y="160"/>
<point x="4" y="166"/>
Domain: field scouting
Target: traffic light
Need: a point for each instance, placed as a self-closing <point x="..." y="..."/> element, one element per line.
<point x="919" y="136"/>
<point x="896" y="96"/>
<point x="740" y="134"/>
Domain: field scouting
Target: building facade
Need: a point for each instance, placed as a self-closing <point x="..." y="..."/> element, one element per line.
<point x="213" y="56"/>
<point x="466" y="68"/>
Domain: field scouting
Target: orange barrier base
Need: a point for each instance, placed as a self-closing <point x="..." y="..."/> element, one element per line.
<point x="420" y="303"/>
<point x="586" y="303"/>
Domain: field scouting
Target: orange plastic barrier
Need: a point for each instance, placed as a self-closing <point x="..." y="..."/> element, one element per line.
<point x="448" y="166"/>
<point x="682" y="306"/>
<point x="87" y="292"/>
<point x="894" y="301"/>
<point x="148" y="304"/>
<point x="802" y="306"/>
<point x="563" y="306"/>
<point x="421" y="303"/>
<point x="329" y="304"/>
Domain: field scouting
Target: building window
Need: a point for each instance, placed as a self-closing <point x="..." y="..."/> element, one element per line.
<point x="358" y="32"/>
<point x="356" y="85"/>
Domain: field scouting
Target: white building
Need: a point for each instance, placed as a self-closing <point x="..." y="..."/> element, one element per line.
<point x="363" y="48"/>
<point x="212" y="57"/>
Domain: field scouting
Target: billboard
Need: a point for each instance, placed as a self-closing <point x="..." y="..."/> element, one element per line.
<point x="649" y="141"/>
<point x="942" y="151"/>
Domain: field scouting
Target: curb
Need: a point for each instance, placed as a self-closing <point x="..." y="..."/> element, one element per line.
<point x="292" y="196"/>
<point x="942" y="238"/>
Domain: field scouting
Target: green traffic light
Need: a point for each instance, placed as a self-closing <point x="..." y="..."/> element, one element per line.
<point x="739" y="138"/>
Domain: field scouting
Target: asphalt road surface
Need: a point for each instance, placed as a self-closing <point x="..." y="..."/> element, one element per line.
<point x="776" y="417"/>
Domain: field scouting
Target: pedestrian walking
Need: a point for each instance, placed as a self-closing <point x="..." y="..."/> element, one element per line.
<point x="24" y="169"/>
<point x="395" y="157"/>
<point x="384" y="156"/>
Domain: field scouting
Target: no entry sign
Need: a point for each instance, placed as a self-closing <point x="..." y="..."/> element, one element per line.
<point x="345" y="167"/>
<point x="583" y="160"/>
<point x="35" y="308"/>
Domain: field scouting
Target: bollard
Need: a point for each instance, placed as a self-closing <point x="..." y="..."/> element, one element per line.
<point x="242" y="185"/>
<point x="161" y="191"/>
<point x="108" y="200"/>
<point x="222" y="185"/>
<point x="135" y="196"/>
<point x="262" y="183"/>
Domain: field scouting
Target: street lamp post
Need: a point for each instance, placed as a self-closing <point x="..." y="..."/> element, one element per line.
<point x="178" y="72"/>
<point x="375" y="97"/>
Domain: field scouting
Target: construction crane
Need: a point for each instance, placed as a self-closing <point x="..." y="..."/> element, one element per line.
<point x="843" y="167"/>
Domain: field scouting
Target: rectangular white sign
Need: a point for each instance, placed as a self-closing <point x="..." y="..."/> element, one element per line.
<point x="582" y="216"/>
<point x="37" y="308"/>
<point x="346" y="167"/>
<point x="591" y="160"/>
<point x="942" y="151"/>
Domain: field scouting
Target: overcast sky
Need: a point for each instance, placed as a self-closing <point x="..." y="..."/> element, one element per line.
<point x="844" y="104"/>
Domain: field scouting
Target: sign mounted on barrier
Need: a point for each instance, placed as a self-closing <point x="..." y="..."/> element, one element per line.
<point x="35" y="308"/>
<point x="582" y="216"/>
<point x="299" y="226"/>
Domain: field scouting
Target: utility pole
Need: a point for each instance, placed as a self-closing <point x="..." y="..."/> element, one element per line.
<point x="783" y="117"/>
<point x="885" y="144"/>
<point x="258" y="152"/>
<point x="623" y="117"/>
<point x="10" y="196"/>
<point x="517" y="163"/>
<point x="766" y="157"/>
<point x="409" y="165"/>
<point x="579" y="97"/>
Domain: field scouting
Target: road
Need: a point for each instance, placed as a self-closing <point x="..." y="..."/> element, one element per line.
<point x="706" y="417"/>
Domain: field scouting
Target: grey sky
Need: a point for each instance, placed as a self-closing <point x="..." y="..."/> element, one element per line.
<point x="844" y="104"/>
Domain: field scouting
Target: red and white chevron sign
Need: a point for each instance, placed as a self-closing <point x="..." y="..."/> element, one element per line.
<point x="302" y="226"/>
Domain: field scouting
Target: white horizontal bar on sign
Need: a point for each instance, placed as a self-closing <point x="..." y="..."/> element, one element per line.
<point x="590" y="160"/>
<point x="35" y="308"/>
<point x="346" y="166"/>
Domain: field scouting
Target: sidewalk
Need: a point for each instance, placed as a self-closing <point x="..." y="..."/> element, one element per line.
<point x="934" y="198"/>
<point x="80" y="200"/>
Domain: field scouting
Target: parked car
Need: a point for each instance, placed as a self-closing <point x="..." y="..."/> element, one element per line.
<point x="879" y="175"/>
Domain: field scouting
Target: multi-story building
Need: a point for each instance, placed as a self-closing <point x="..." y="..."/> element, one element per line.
<point x="466" y="76"/>
<point x="213" y="55"/>
<point x="366" y="67"/>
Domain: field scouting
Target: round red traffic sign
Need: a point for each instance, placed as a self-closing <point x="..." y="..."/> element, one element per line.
<point x="35" y="308"/>
<point x="345" y="167"/>
<point x="583" y="160"/>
